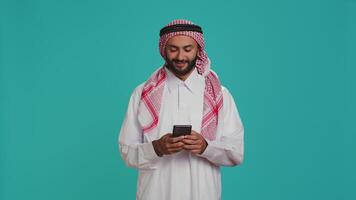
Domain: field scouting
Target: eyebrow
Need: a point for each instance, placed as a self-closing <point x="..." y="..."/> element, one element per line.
<point x="186" y="46"/>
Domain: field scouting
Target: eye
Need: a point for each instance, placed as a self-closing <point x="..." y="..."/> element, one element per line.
<point x="172" y="49"/>
<point x="188" y="49"/>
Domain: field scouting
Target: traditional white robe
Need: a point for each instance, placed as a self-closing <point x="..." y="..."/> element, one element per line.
<point x="181" y="176"/>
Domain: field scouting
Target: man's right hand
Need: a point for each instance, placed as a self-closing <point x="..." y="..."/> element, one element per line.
<point x="168" y="144"/>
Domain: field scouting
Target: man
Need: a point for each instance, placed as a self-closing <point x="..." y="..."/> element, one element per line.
<point x="184" y="91"/>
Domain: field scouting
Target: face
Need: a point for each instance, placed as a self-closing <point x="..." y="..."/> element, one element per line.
<point x="181" y="54"/>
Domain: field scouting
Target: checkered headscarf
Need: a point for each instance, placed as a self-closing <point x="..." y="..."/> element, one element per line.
<point x="153" y="89"/>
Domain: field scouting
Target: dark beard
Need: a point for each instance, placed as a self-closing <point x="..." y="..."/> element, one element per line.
<point x="176" y="70"/>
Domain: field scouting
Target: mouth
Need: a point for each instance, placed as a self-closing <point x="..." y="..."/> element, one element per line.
<point x="180" y="64"/>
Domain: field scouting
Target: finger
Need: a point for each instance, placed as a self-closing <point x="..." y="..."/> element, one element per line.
<point x="192" y="137"/>
<point x="192" y="147"/>
<point x="168" y="135"/>
<point x="189" y="141"/>
<point x="175" y="145"/>
<point x="175" y="139"/>
<point x="197" y="135"/>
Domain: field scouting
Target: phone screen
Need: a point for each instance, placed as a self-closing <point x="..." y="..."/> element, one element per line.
<point x="179" y="130"/>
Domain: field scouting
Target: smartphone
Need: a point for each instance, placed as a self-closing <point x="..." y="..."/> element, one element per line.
<point x="179" y="130"/>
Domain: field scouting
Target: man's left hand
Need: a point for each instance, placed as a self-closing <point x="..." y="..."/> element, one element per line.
<point x="194" y="143"/>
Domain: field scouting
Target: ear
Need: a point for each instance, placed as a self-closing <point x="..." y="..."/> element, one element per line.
<point x="199" y="50"/>
<point x="165" y="55"/>
<point x="165" y="51"/>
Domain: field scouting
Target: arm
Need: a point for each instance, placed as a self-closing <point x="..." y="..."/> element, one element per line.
<point x="228" y="148"/>
<point x="133" y="150"/>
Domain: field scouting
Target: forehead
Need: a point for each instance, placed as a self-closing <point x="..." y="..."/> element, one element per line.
<point x="181" y="40"/>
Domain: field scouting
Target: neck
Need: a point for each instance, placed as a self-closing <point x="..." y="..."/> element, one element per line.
<point x="184" y="77"/>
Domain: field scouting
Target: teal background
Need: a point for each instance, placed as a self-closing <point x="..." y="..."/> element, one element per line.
<point x="67" y="69"/>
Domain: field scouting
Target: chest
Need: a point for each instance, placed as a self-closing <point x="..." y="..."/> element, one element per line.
<point x="179" y="106"/>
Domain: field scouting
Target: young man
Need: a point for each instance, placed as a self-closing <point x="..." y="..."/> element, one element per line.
<point x="184" y="91"/>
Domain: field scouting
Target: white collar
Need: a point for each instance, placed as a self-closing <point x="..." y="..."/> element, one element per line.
<point x="194" y="82"/>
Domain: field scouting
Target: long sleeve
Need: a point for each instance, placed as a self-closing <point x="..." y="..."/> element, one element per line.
<point x="134" y="151"/>
<point x="228" y="148"/>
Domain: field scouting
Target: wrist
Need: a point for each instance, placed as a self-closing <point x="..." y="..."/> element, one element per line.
<point x="204" y="146"/>
<point x="157" y="148"/>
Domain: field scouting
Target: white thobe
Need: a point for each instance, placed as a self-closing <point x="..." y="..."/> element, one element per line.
<point x="183" y="175"/>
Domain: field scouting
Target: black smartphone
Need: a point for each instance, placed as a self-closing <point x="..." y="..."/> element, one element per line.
<point x="179" y="130"/>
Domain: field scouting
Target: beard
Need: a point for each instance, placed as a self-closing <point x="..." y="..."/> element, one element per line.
<point x="170" y="64"/>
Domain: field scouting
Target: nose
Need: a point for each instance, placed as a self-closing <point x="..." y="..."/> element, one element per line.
<point x="180" y="55"/>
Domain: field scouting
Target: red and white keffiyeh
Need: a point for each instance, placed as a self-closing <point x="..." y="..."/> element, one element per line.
<point x="149" y="107"/>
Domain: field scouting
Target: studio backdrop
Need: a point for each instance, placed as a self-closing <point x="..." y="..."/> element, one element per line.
<point x="68" y="68"/>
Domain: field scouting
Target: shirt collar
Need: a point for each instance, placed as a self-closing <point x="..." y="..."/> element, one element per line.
<point x="194" y="82"/>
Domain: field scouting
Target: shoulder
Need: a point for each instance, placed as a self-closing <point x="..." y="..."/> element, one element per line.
<point x="226" y="92"/>
<point x="138" y="89"/>
<point x="136" y="95"/>
<point x="228" y="99"/>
